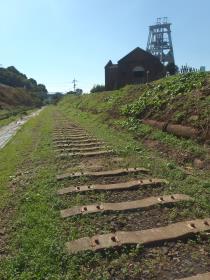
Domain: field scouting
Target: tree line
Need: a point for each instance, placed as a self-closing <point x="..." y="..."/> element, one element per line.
<point x="10" y="76"/>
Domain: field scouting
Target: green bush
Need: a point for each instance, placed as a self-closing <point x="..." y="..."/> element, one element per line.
<point x="162" y="92"/>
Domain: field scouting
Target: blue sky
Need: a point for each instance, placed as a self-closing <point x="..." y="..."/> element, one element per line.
<point x="54" y="41"/>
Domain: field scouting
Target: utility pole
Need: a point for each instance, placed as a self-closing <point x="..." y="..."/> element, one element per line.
<point x="74" y="82"/>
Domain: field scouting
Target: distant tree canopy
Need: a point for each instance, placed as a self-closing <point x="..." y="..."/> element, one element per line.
<point x="78" y="91"/>
<point x="70" y="92"/>
<point x="97" y="88"/>
<point x="56" y="97"/>
<point x="12" y="77"/>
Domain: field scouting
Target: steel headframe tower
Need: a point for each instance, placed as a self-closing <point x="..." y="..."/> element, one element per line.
<point x="159" y="41"/>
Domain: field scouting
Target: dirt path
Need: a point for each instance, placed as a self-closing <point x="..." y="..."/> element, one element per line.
<point x="8" y="131"/>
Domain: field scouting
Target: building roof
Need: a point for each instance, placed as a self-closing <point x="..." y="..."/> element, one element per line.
<point x="109" y="63"/>
<point x="137" y="51"/>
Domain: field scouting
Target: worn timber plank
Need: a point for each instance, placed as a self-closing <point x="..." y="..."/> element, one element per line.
<point x="134" y="184"/>
<point x="76" y="141"/>
<point x="85" y="145"/>
<point x="81" y="149"/>
<point x="205" y="276"/>
<point x="79" y="138"/>
<point x="71" y="134"/>
<point x="85" y="154"/>
<point x="69" y="130"/>
<point x="116" y="172"/>
<point x="123" y="206"/>
<point x="145" y="237"/>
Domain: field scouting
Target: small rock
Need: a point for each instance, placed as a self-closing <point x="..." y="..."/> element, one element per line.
<point x="2" y="231"/>
<point x="200" y="164"/>
<point x="165" y="250"/>
<point x="194" y="118"/>
<point x="207" y="143"/>
<point x="117" y="225"/>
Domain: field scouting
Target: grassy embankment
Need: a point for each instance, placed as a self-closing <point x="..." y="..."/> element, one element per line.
<point x="181" y="99"/>
<point x="105" y="115"/>
<point x="37" y="234"/>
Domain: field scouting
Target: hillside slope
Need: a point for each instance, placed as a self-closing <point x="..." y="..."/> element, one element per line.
<point x="14" y="100"/>
<point x="178" y="104"/>
<point x="180" y="99"/>
<point x="18" y="93"/>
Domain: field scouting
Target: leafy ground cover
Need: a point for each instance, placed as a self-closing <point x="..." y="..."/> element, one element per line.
<point x="162" y="94"/>
<point x="180" y="99"/>
<point x="183" y="99"/>
<point x="35" y="234"/>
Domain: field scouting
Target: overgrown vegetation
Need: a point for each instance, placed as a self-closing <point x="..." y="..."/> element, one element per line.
<point x="37" y="235"/>
<point x="12" y="77"/>
<point x="180" y="99"/>
<point x="12" y="98"/>
<point x="18" y="93"/>
<point x="183" y="99"/>
<point x="187" y="148"/>
<point x="97" y="88"/>
<point x="162" y="94"/>
<point x="8" y="116"/>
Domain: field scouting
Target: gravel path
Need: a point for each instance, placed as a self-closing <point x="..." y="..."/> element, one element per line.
<point x="8" y="131"/>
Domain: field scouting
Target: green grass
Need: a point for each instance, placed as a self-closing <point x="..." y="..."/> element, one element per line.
<point x="37" y="234"/>
<point x="35" y="250"/>
<point x="133" y="151"/>
<point x="14" y="115"/>
<point x="176" y="98"/>
<point x="13" y="155"/>
<point x="182" y="99"/>
<point x="124" y="143"/>
<point x="143" y="131"/>
<point x="161" y="95"/>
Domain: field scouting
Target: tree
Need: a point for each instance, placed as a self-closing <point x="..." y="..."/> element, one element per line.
<point x="56" y="97"/>
<point x="32" y="83"/>
<point x="71" y="92"/>
<point x="79" y="91"/>
<point x="97" y="88"/>
<point x="41" y="88"/>
<point x="10" y="76"/>
<point x="171" y="68"/>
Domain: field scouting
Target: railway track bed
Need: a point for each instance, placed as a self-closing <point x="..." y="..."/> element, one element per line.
<point x="128" y="212"/>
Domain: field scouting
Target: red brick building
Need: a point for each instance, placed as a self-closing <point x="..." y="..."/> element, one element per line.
<point x="137" y="67"/>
